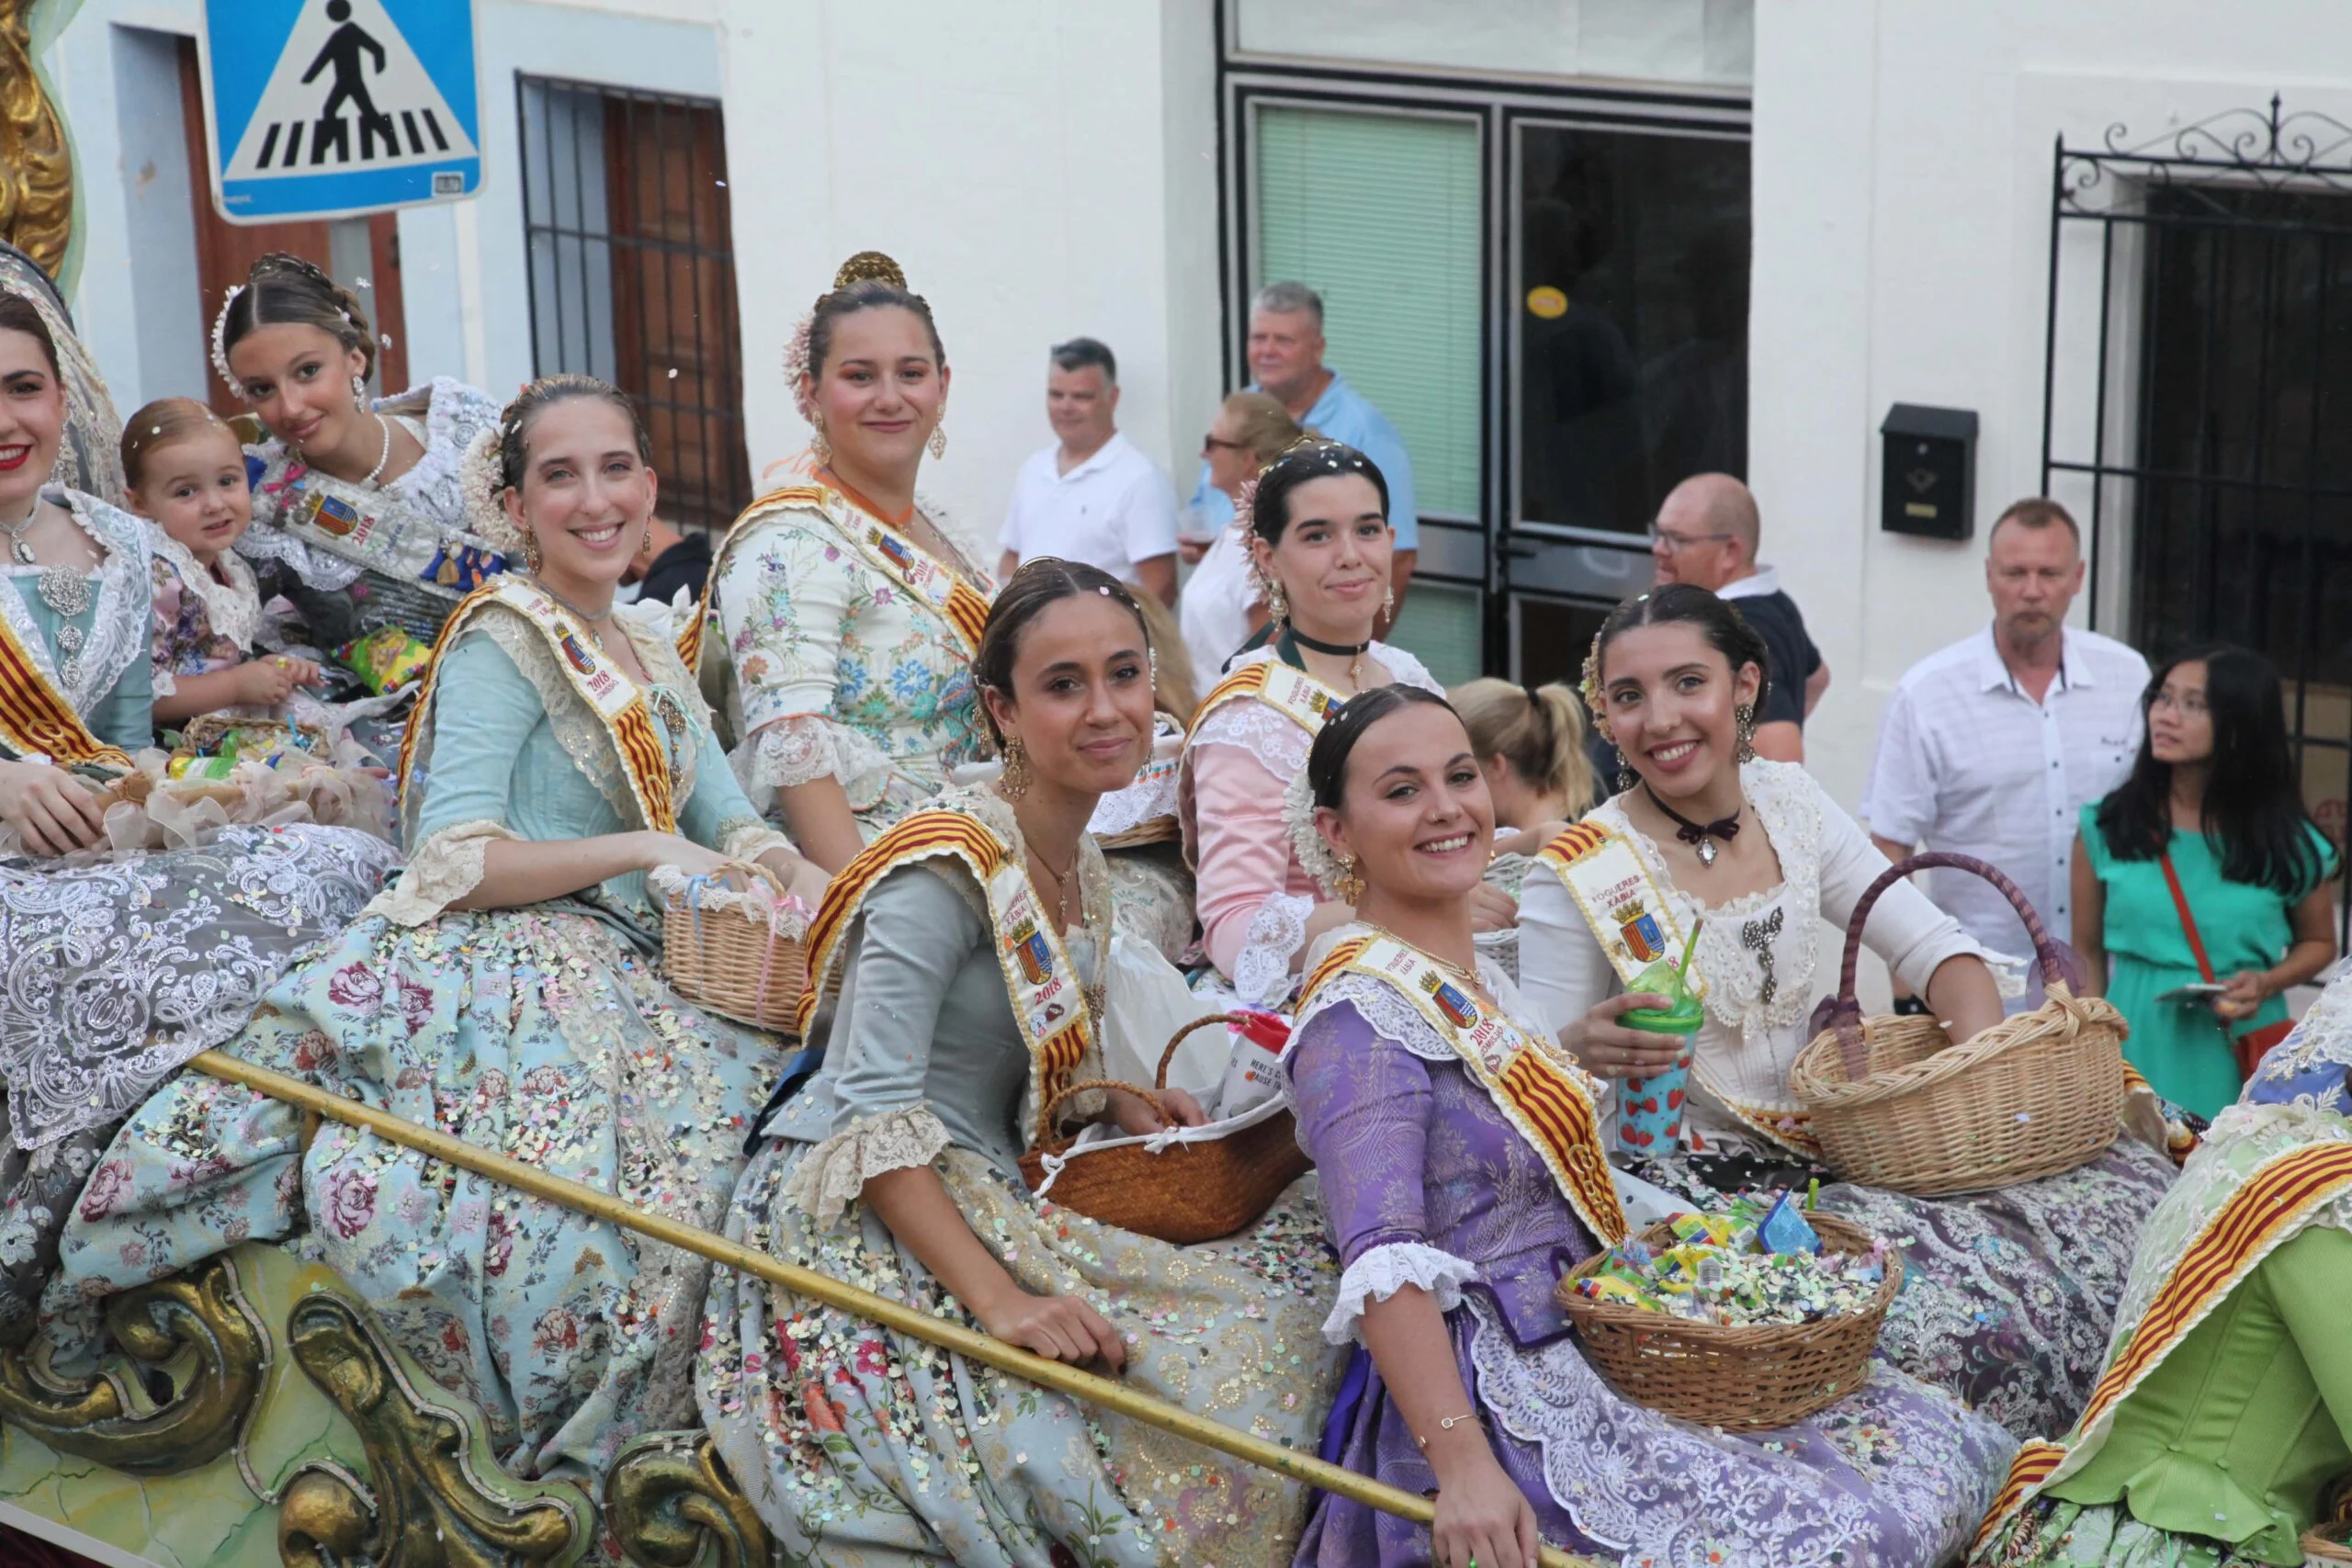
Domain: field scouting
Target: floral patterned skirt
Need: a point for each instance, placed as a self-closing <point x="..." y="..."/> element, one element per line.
<point x="2049" y="1533"/>
<point x="857" y="1444"/>
<point x="115" y="970"/>
<point x="538" y="1033"/>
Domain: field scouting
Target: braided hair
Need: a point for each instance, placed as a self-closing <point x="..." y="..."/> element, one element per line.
<point x="282" y="290"/>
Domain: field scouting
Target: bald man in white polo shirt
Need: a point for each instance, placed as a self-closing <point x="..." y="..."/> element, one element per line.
<point x="1993" y="745"/>
<point x="1091" y="496"/>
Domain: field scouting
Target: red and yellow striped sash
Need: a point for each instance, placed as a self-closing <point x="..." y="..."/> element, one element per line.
<point x="2265" y="1211"/>
<point x="1538" y="1095"/>
<point x="37" y="720"/>
<point x="610" y="694"/>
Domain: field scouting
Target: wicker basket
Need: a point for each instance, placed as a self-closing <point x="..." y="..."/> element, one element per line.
<point x="1741" y="1378"/>
<point x="1189" y="1191"/>
<point x="1896" y="1104"/>
<point x="730" y="956"/>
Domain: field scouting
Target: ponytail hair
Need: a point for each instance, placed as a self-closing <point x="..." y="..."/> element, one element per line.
<point x="1538" y="730"/>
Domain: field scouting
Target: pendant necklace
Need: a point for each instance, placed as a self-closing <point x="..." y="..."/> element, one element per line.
<point x="587" y="622"/>
<point x="16" y="532"/>
<point x="1061" y="884"/>
<point x="1702" y="835"/>
<point x="1352" y="652"/>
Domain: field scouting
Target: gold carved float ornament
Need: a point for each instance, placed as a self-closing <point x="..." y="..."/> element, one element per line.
<point x="667" y="1498"/>
<point x="35" y="169"/>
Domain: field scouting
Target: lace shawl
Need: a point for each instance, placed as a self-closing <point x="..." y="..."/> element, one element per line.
<point x="120" y="632"/>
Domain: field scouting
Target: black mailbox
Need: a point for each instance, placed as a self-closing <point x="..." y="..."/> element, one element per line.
<point x="1931" y="482"/>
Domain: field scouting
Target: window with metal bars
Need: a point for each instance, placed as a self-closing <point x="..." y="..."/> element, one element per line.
<point x="632" y="274"/>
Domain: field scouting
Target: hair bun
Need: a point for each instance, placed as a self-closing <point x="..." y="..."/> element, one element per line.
<point x="869" y="266"/>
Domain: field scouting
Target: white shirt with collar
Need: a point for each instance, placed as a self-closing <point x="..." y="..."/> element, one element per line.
<point x="1968" y="761"/>
<point x="1112" y="511"/>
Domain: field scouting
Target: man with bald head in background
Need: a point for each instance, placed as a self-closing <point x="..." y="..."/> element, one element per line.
<point x="1706" y="534"/>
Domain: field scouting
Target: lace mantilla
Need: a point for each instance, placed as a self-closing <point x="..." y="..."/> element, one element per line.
<point x="1758" y="951"/>
<point x="832" y="1174"/>
<point x="807" y="747"/>
<point x="446" y="867"/>
<point x="1388" y="1268"/>
<point x="234" y="607"/>
<point x="119" y="632"/>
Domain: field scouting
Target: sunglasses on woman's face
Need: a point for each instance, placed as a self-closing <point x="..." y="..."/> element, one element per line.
<point x="1212" y="441"/>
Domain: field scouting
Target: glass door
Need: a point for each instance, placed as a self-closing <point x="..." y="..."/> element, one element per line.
<point x="1627" y="303"/>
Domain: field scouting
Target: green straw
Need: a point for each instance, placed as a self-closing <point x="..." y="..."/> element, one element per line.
<point x="1688" y="949"/>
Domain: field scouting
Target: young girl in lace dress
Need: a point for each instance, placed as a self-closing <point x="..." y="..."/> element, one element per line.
<point x="186" y="475"/>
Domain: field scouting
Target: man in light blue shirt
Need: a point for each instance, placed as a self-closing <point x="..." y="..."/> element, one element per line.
<point x="1286" y="357"/>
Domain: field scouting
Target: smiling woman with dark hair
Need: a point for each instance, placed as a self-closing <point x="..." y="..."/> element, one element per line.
<point x="2203" y="869"/>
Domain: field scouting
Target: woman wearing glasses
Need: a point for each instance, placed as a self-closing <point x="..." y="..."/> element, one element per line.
<point x="2203" y="890"/>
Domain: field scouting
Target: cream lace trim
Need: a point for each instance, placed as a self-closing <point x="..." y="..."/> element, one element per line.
<point x="1388" y="1268"/>
<point x="832" y="1174"/>
<point x="1263" y="972"/>
<point x="234" y="607"/>
<point x="120" y="631"/>
<point x="446" y="867"/>
<point x="748" y="838"/>
<point x="805" y="747"/>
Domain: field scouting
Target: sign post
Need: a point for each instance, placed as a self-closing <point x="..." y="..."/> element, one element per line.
<point x="337" y="108"/>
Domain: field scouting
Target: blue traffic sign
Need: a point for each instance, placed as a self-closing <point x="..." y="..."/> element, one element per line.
<point x="330" y="108"/>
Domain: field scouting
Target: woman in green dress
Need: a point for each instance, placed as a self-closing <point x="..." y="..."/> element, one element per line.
<point x="2216" y="1435"/>
<point x="2203" y="867"/>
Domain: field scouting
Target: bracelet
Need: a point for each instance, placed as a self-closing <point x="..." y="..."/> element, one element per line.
<point x="1447" y="1425"/>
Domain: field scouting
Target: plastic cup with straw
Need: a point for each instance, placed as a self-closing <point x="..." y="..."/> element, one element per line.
<point x="1649" y="1110"/>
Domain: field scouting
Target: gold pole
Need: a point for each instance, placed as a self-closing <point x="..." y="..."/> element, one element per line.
<point x="801" y="1281"/>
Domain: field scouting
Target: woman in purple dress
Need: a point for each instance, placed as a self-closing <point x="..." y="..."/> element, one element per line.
<point x="1455" y="1208"/>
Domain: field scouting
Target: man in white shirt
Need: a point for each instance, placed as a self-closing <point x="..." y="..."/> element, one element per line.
<point x="1993" y="745"/>
<point x="1093" y="496"/>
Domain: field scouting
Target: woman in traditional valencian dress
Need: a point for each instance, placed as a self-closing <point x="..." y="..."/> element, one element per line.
<point x="2010" y="1292"/>
<point x="359" y="503"/>
<point x="115" y="969"/>
<point x="1460" y="1162"/>
<point x="838" y="638"/>
<point x="1317" y="523"/>
<point x="965" y="947"/>
<point x="505" y="993"/>
<point x="2221" y="1427"/>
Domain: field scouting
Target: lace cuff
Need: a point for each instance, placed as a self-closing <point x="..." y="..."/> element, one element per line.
<point x="807" y="747"/>
<point x="832" y="1174"/>
<point x="167" y="684"/>
<point x="1388" y="1268"/>
<point x="1262" y="975"/>
<point x="446" y="867"/>
<point x="749" y="838"/>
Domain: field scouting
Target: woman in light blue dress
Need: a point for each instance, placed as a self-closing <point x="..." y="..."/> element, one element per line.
<point x="505" y="993"/>
<point x="115" y="966"/>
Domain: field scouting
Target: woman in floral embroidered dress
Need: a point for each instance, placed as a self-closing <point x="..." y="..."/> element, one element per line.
<point x="898" y="1167"/>
<point x="1453" y="1223"/>
<point x="295" y="346"/>
<point x="505" y="993"/>
<point x="2010" y="1292"/>
<point x="1317" y="524"/>
<point x="838" y="639"/>
<point x="114" y="968"/>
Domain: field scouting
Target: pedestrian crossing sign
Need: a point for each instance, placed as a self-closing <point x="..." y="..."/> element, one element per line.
<point x="331" y="109"/>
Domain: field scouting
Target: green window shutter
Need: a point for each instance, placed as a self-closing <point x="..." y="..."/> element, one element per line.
<point x="1440" y="626"/>
<point x="1379" y="214"/>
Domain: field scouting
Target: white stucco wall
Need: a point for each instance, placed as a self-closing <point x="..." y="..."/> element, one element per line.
<point x="1902" y="165"/>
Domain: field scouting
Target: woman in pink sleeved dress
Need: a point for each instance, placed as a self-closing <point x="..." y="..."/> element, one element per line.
<point x="1317" y="525"/>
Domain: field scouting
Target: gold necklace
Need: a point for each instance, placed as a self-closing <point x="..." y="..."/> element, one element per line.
<point x="1061" y="883"/>
<point x="1468" y="977"/>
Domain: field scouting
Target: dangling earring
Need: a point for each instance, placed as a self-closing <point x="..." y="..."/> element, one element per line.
<point x="359" y="393"/>
<point x="818" y="443"/>
<point x="1014" y="781"/>
<point x="1743" y="718"/>
<point x="1350" y="886"/>
<point x="1277" y="601"/>
<point x="531" y="553"/>
<point x="1627" y="777"/>
<point x="1388" y="603"/>
<point x="645" y="539"/>
<point x="938" y="442"/>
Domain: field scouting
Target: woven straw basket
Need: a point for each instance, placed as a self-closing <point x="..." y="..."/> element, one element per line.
<point x="734" y="959"/>
<point x="1189" y="1191"/>
<point x="1896" y="1104"/>
<point x="1741" y="1378"/>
